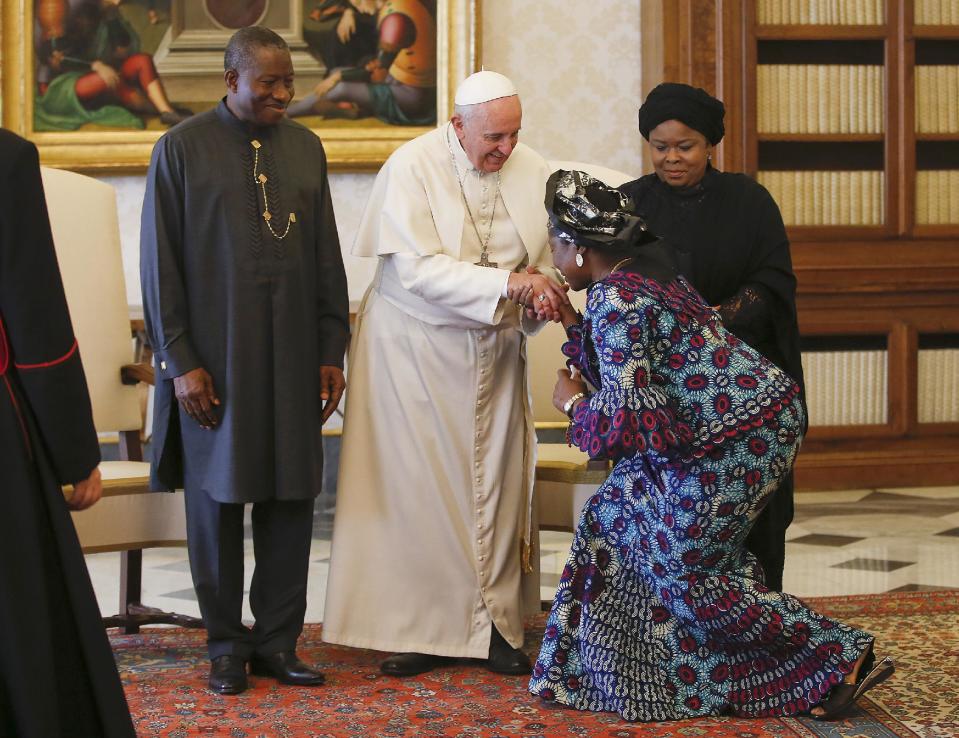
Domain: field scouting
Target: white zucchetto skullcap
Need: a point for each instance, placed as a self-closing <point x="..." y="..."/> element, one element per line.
<point x="482" y="87"/>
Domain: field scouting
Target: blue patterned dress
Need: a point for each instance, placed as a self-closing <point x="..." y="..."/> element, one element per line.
<point x="661" y="613"/>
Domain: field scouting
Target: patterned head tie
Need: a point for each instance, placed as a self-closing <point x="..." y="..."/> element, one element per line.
<point x="593" y="214"/>
<point x="690" y="105"/>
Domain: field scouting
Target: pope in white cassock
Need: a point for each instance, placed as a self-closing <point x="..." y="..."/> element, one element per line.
<point x="436" y="469"/>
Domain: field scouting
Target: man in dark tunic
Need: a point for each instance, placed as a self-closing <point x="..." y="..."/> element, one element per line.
<point x="57" y="674"/>
<point x="733" y="248"/>
<point x="246" y="307"/>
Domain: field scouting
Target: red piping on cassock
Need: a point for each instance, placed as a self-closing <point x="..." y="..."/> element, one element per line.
<point x="4" y="350"/>
<point x="54" y="362"/>
<point x="16" y="409"/>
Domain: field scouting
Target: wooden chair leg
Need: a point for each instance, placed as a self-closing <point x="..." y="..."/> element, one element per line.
<point x="130" y="448"/>
<point x="131" y="585"/>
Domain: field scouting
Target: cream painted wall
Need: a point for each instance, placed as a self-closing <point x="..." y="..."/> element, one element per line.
<point x="577" y="69"/>
<point x="349" y="192"/>
<point x="578" y="74"/>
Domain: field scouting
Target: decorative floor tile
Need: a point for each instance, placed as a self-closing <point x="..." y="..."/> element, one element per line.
<point x="183" y="565"/>
<point x="855" y="522"/>
<point x="841" y="543"/>
<point x="818" y="498"/>
<point x="925" y="492"/>
<point x="182" y="594"/>
<point x="820" y="539"/>
<point x="873" y="564"/>
<point x="919" y="588"/>
<point x="929" y="507"/>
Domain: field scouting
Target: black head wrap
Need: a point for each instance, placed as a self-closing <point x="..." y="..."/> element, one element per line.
<point x="593" y="214"/>
<point x="690" y="105"/>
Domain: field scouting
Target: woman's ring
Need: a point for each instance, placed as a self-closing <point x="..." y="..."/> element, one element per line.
<point x="542" y="298"/>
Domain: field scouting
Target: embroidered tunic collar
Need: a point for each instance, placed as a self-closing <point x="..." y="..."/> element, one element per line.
<point x="246" y="129"/>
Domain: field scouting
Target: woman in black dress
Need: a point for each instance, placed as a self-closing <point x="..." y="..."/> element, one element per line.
<point x="731" y="245"/>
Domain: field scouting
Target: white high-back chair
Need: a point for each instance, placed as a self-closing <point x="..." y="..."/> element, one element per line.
<point x="129" y="518"/>
<point x="565" y="477"/>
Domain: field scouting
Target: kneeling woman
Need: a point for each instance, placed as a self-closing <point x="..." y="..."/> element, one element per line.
<point x="661" y="613"/>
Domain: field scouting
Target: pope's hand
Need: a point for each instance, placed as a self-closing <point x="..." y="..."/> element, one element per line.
<point x="534" y="311"/>
<point x="537" y="291"/>
<point x="194" y="391"/>
<point x="520" y="292"/>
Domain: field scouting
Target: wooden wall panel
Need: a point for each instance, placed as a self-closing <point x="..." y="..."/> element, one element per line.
<point x="893" y="281"/>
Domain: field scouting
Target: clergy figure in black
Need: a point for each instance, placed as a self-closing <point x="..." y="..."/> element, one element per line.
<point x="246" y="307"/>
<point x="732" y="246"/>
<point x="57" y="674"/>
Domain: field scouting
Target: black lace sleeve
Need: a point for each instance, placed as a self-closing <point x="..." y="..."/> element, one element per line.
<point x="749" y="314"/>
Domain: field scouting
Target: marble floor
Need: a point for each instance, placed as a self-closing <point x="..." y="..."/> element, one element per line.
<point x="850" y="542"/>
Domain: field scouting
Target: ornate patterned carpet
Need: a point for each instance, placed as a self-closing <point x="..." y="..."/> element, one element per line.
<point x="164" y="672"/>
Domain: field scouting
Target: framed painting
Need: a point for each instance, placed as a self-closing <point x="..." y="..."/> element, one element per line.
<point x="94" y="83"/>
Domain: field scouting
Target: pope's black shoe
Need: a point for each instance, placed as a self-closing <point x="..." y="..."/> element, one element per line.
<point x="228" y="674"/>
<point x="504" y="659"/>
<point x="286" y="668"/>
<point x="409" y="664"/>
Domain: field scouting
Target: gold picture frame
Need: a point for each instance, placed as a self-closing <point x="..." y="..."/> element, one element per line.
<point x="348" y="148"/>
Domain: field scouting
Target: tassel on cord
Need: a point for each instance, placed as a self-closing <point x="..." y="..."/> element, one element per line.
<point x="527" y="556"/>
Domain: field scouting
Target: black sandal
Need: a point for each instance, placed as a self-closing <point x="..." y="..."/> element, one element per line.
<point x="843" y="696"/>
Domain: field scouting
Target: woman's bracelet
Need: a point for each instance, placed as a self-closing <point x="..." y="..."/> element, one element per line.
<point x="571" y="402"/>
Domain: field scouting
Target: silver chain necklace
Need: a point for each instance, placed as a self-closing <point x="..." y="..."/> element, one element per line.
<point x="484" y="242"/>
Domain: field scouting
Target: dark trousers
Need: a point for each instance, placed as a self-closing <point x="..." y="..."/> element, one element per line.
<point x="282" y="532"/>
<point x="767" y="539"/>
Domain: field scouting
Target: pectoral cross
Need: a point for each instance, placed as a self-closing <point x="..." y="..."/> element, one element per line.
<point x="485" y="262"/>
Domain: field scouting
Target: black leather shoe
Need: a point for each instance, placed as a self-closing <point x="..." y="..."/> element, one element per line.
<point x="228" y="674"/>
<point x="409" y="664"/>
<point x="286" y="668"/>
<point x="504" y="659"/>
